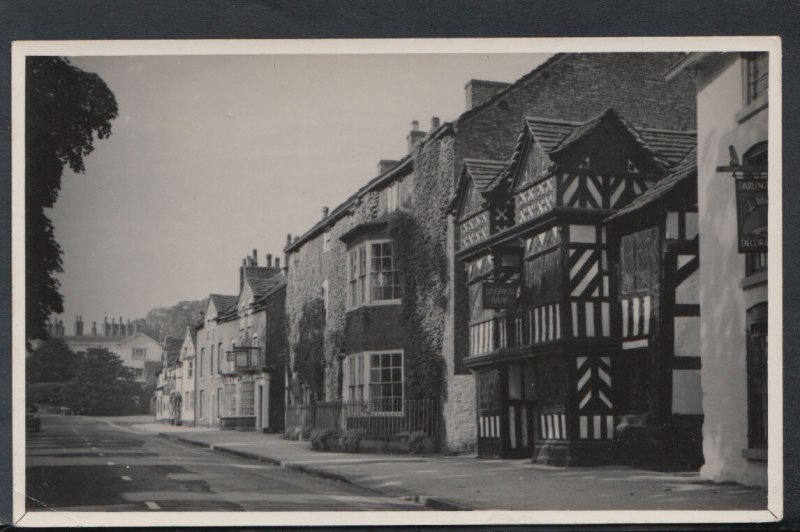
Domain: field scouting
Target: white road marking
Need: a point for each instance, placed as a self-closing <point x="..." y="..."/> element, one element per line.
<point x="126" y="477"/>
<point x="152" y="505"/>
<point x="110" y="463"/>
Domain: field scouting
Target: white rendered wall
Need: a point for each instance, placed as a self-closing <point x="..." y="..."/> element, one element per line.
<point x="723" y="302"/>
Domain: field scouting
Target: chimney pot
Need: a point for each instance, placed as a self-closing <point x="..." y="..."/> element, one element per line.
<point x="414" y="125"/>
<point x="288" y="238"/>
<point x="277" y="262"/>
<point x="269" y="260"/>
<point x="434" y="122"/>
<point x="255" y="257"/>
<point x="324" y="212"/>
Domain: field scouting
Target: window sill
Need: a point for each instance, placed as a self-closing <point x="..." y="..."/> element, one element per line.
<point x="753" y="280"/>
<point x="755" y="454"/>
<point x="751" y="109"/>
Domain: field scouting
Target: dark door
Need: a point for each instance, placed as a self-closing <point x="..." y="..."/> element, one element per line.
<point x="489" y="413"/>
<point x="521" y="407"/>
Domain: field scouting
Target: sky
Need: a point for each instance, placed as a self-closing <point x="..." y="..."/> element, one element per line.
<point x="214" y="156"/>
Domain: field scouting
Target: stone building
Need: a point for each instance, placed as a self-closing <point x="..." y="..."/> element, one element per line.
<point x="187" y="364"/>
<point x="169" y="385"/>
<point x="241" y="351"/>
<point x="732" y="159"/>
<point x="212" y="335"/>
<point x="381" y="265"/>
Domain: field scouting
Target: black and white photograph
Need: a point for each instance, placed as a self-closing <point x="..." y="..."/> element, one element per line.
<point x="397" y="281"/>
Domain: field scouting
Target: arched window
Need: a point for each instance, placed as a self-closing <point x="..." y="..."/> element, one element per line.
<point x="211" y="372"/>
<point x="219" y="357"/>
<point x="202" y="361"/>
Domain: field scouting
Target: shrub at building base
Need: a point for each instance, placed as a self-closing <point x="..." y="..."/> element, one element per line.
<point x="355" y="441"/>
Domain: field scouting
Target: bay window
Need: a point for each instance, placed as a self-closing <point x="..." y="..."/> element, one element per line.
<point x="373" y="262"/>
<point x="375" y="378"/>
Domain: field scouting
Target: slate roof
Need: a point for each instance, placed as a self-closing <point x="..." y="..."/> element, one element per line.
<point x="222" y="303"/>
<point x="261" y="287"/>
<point x="172" y="350"/>
<point x="482" y="171"/>
<point x="277" y="287"/>
<point x="683" y="172"/>
<point x="667" y="147"/>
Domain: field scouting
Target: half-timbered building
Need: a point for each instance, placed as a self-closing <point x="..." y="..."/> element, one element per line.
<point x="544" y="325"/>
<point x="653" y="241"/>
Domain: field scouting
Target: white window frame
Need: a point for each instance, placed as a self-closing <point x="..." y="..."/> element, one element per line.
<point x="366" y="297"/>
<point x="139" y="353"/>
<point x="365" y="382"/>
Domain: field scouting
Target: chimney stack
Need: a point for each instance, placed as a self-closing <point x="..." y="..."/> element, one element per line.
<point x="324" y="212"/>
<point x="384" y="165"/>
<point x="77" y="326"/>
<point x="414" y="136"/>
<point x="106" y="327"/>
<point x="255" y="257"/>
<point x="277" y="262"/>
<point x="269" y="260"/>
<point x="478" y="91"/>
<point x="94" y="328"/>
<point x="434" y="122"/>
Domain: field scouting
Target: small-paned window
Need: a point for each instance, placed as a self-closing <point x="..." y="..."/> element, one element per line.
<point x="384" y="279"/>
<point x="138" y="374"/>
<point x="139" y="353"/>
<point x="757" y="376"/>
<point x="373" y="263"/>
<point x="191" y="367"/>
<point x="202" y="361"/>
<point x="386" y="382"/>
<point x="756" y="68"/>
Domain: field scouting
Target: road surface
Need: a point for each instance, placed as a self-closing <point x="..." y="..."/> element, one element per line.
<point x="87" y="464"/>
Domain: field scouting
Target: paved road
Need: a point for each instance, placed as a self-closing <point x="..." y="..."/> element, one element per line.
<point x="86" y="464"/>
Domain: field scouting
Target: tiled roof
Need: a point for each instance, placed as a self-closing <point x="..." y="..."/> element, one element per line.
<point x="261" y="287"/>
<point x="274" y="289"/>
<point x="550" y="133"/>
<point x="222" y="303"/>
<point x="172" y="349"/>
<point x="482" y="171"/>
<point x="666" y="147"/>
<point x="685" y="170"/>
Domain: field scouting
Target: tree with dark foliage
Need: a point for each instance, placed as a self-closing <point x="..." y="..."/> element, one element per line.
<point x="65" y="109"/>
<point x="102" y="385"/>
<point x="53" y="361"/>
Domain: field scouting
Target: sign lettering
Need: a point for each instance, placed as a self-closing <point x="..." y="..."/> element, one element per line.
<point x="751" y="213"/>
<point x="499" y="296"/>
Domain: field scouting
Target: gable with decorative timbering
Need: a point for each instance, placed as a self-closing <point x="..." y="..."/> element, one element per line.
<point x="601" y="164"/>
<point x="476" y="215"/>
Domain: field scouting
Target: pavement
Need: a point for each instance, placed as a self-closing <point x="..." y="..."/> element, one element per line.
<point x="85" y="464"/>
<point x="470" y="483"/>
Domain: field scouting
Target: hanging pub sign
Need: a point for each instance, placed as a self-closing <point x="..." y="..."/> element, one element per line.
<point x="751" y="211"/>
<point x="499" y="296"/>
